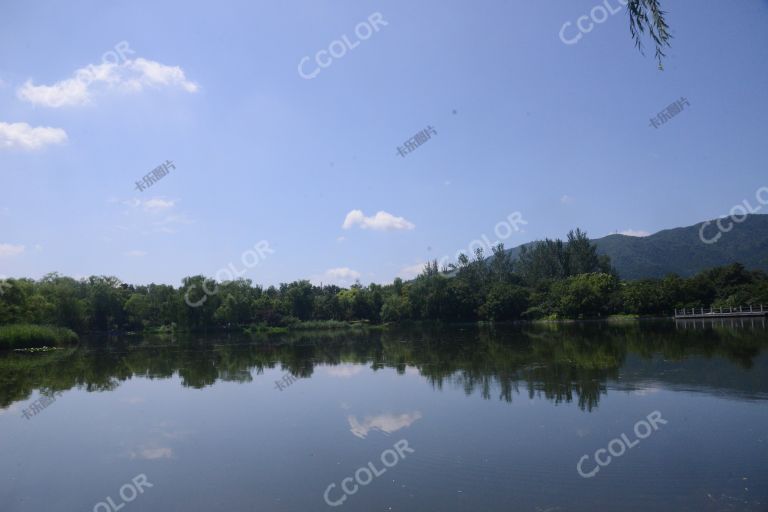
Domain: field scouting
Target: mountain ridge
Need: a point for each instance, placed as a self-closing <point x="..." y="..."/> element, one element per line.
<point x="681" y="251"/>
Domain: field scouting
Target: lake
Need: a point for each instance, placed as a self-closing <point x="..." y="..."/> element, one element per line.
<point x="566" y="417"/>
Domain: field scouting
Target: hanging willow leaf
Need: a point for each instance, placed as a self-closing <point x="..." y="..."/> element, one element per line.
<point x="647" y="15"/>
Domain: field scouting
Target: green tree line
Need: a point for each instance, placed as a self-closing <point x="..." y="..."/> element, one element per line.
<point x="551" y="279"/>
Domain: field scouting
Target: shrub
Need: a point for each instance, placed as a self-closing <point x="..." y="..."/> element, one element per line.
<point x="27" y="335"/>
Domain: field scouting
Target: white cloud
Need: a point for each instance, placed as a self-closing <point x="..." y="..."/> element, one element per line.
<point x="24" y="136"/>
<point x="136" y="253"/>
<point x="131" y="76"/>
<point x="11" y="250"/>
<point x="153" y="453"/>
<point x="582" y="432"/>
<point x="165" y="225"/>
<point x="411" y="271"/>
<point x="566" y="199"/>
<point x="345" y="370"/>
<point x="152" y="73"/>
<point x="342" y="276"/>
<point x="342" y="273"/>
<point x="645" y="392"/>
<point x="382" y="221"/>
<point x="634" y="232"/>
<point x="386" y="423"/>
<point x="12" y="409"/>
<point x="147" y="220"/>
<point x="152" y="205"/>
<point x="156" y="204"/>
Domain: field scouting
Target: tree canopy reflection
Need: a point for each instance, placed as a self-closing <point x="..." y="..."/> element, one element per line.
<point x="563" y="363"/>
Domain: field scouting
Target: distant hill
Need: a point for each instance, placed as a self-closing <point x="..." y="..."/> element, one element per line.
<point x="681" y="251"/>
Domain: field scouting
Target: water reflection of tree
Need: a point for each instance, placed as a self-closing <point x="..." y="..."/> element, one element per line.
<point x="554" y="363"/>
<point x="561" y="362"/>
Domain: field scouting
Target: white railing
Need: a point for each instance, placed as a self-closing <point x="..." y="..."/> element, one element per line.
<point x="741" y="310"/>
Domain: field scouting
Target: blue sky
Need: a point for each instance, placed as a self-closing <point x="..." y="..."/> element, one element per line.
<point x="524" y="123"/>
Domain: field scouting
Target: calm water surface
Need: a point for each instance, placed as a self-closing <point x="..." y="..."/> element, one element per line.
<point x="493" y="420"/>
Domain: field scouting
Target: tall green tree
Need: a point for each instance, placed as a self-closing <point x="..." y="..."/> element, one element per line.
<point x="582" y="257"/>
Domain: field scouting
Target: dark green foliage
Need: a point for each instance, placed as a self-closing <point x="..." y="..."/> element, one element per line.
<point x="504" y="302"/>
<point x="731" y="285"/>
<point x="554" y="279"/>
<point x="543" y="260"/>
<point x="555" y="259"/>
<point x="584" y="295"/>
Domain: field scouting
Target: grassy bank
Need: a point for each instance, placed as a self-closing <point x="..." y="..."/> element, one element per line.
<point x="315" y="325"/>
<point x="27" y="335"/>
<point x="323" y="325"/>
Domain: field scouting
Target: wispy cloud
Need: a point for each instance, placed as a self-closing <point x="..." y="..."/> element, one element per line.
<point x="153" y="453"/>
<point x="382" y="221"/>
<point x="566" y="199"/>
<point x="342" y="273"/>
<point x="411" y="271"/>
<point x="157" y="204"/>
<point x="131" y="76"/>
<point x="152" y="205"/>
<point x="153" y="215"/>
<point x="11" y="250"/>
<point x="136" y="253"/>
<point x="634" y="232"/>
<point x="24" y="136"/>
<point x="166" y="225"/>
